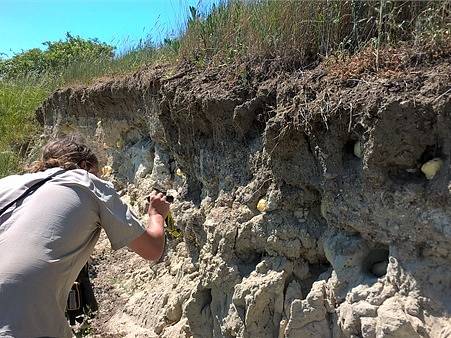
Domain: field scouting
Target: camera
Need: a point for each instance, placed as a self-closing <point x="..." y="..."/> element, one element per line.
<point x="169" y="198"/>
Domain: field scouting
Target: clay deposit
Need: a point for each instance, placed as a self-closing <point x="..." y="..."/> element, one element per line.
<point x="307" y="201"/>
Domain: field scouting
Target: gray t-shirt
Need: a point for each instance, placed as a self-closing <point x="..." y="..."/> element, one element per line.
<point x="45" y="240"/>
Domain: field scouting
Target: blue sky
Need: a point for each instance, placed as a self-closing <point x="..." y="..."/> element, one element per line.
<point x="25" y="24"/>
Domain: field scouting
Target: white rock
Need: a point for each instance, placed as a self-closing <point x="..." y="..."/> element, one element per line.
<point x="358" y="149"/>
<point x="430" y="168"/>
<point x="262" y="205"/>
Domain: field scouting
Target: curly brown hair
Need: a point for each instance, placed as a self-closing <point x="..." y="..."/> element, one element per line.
<point x="67" y="153"/>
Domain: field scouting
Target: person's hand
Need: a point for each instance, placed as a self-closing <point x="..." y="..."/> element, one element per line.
<point x="158" y="204"/>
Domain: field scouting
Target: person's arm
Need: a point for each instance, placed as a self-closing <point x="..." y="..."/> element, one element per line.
<point x="150" y="244"/>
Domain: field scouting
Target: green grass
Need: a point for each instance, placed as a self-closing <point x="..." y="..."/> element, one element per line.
<point x="18" y="101"/>
<point x="9" y="162"/>
<point x="300" y="32"/>
<point x="18" y="127"/>
<point x="292" y="33"/>
<point x="85" y="71"/>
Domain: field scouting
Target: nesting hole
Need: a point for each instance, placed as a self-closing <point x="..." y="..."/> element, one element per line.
<point x="402" y="175"/>
<point x="348" y="148"/>
<point x="193" y="190"/>
<point x="352" y="163"/>
<point x="201" y="307"/>
<point x="315" y="270"/>
<point x="205" y="299"/>
<point x="376" y="262"/>
<point x="348" y="151"/>
<point x="248" y="262"/>
<point x="430" y="152"/>
<point x="259" y="125"/>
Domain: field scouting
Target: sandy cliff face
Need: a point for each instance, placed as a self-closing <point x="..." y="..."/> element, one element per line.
<point x="308" y="203"/>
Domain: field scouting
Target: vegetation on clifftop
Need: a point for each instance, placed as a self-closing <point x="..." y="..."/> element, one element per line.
<point x="292" y="33"/>
<point x="300" y="32"/>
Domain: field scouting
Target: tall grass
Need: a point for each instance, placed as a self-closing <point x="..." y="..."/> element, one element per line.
<point x="293" y="32"/>
<point x="85" y="71"/>
<point x="301" y="31"/>
<point x="9" y="162"/>
<point x="18" y="101"/>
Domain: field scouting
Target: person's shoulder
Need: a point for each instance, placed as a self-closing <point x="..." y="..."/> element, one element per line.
<point x="98" y="180"/>
<point x="102" y="189"/>
<point x="9" y="182"/>
<point x="7" y="179"/>
<point x="83" y="176"/>
<point x="25" y="178"/>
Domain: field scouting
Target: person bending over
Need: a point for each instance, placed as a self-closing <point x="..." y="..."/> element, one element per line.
<point x="50" y="220"/>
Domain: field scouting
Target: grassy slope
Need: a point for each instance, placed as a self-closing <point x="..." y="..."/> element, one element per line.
<point x="18" y="102"/>
<point x="294" y="33"/>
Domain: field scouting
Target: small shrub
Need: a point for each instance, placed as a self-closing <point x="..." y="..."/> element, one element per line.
<point x="56" y="58"/>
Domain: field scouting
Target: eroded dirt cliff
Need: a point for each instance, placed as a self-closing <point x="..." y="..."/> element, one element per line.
<point x="302" y="199"/>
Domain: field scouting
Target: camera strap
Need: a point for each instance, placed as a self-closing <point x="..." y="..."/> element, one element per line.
<point x="29" y="191"/>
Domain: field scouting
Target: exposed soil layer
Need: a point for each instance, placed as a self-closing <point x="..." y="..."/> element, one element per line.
<point x="313" y="203"/>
